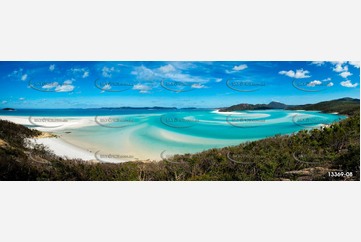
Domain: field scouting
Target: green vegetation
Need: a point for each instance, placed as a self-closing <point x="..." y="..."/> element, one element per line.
<point x="347" y="106"/>
<point x="307" y="155"/>
<point x="14" y="134"/>
<point x="247" y="106"/>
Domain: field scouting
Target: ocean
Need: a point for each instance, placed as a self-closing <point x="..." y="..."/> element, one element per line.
<point x="155" y="134"/>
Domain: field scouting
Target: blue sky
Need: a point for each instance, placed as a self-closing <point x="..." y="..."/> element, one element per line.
<point x="174" y="84"/>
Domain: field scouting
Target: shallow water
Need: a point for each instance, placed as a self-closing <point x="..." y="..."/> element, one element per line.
<point x="155" y="134"/>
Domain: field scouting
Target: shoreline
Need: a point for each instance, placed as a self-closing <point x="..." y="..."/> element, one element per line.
<point x="55" y="143"/>
<point x="74" y="149"/>
<point x="63" y="149"/>
<point x="67" y="150"/>
<point x="63" y="122"/>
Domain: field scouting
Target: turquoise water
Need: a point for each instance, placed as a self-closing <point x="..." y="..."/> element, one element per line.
<point x="144" y="133"/>
<point x="76" y="112"/>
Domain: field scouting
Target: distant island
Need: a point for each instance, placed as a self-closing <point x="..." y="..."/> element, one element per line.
<point x="347" y="105"/>
<point x="247" y="106"/>
<point x="8" y="109"/>
<point x="343" y="106"/>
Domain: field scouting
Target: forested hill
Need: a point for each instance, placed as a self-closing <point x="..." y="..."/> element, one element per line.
<point x="247" y="106"/>
<point x="347" y="106"/>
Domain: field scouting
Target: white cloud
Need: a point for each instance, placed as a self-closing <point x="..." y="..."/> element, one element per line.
<point x="317" y="82"/>
<point x="22" y="99"/>
<point x="184" y="65"/>
<point x="355" y="63"/>
<point x="24" y="77"/>
<point x="289" y="73"/>
<point x="301" y="74"/>
<point x="345" y="74"/>
<point x="64" y="88"/>
<point x="107" y="87"/>
<point x="240" y="67"/>
<point x="298" y="74"/>
<point x="19" y="74"/>
<point x="348" y="84"/>
<point x="166" y="73"/>
<point x="314" y="83"/>
<point x="237" y="68"/>
<point x="318" y="63"/>
<point x="16" y="73"/>
<point x="167" y="68"/>
<point x="142" y="88"/>
<point x="143" y="73"/>
<point x="340" y="68"/>
<point x="80" y="72"/>
<point x="86" y="74"/>
<point x="219" y="79"/>
<point x="108" y="71"/>
<point x="51" y="67"/>
<point x="50" y="85"/>
<point x="198" y="86"/>
<point x="67" y="82"/>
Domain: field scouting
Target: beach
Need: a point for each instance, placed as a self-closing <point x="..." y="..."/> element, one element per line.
<point x="150" y="136"/>
<point x="58" y="145"/>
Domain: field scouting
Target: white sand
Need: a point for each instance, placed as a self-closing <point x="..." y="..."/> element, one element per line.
<point x="59" y="146"/>
<point x="64" y="149"/>
<point x="226" y="113"/>
<point x="67" y="123"/>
